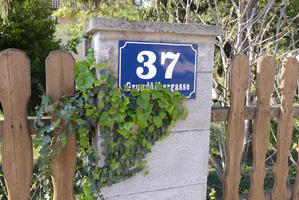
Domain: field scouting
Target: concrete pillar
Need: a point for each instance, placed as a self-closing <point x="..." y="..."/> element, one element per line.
<point x="178" y="165"/>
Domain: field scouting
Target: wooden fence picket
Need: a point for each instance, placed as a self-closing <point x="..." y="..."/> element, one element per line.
<point x="60" y="81"/>
<point x="296" y="187"/>
<point x="261" y="131"/>
<point x="235" y="126"/>
<point x="285" y="127"/>
<point x="15" y="91"/>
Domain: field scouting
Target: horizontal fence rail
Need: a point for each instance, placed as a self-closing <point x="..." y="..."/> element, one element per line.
<point x="220" y="114"/>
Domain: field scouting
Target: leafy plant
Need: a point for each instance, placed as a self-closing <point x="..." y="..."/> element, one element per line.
<point x="27" y="27"/>
<point x="130" y="122"/>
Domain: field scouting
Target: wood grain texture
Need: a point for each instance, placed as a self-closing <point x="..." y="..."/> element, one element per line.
<point x="235" y="127"/>
<point x="15" y="91"/>
<point x="267" y="194"/>
<point x="285" y="127"/>
<point x="60" y="81"/>
<point x="220" y="114"/>
<point x="261" y="130"/>
<point x="296" y="187"/>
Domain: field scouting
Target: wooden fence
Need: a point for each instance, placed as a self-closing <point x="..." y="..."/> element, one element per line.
<point x="261" y="113"/>
<point x="17" y="159"/>
<point x="15" y="90"/>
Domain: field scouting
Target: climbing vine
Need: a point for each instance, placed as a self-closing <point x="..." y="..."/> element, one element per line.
<point x="130" y="121"/>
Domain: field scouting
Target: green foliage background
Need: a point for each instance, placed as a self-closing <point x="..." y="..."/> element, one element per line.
<point x="27" y="27"/>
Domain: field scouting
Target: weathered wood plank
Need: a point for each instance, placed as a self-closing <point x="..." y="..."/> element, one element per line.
<point x="60" y="80"/>
<point x="296" y="187"/>
<point x="15" y="91"/>
<point x="30" y="120"/>
<point x="261" y="130"/>
<point x="267" y="194"/>
<point x="235" y="127"/>
<point x="285" y="127"/>
<point x="220" y="114"/>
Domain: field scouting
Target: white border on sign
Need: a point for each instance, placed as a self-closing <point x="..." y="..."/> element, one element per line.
<point x="158" y="43"/>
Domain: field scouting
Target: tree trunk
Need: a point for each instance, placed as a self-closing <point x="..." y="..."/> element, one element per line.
<point x="247" y="7"/>
<point x="4" y="9"/>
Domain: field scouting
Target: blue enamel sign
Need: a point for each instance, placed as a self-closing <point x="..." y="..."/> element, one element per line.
<point x="145" y="63"/>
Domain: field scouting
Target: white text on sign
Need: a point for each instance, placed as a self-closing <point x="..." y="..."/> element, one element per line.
<point x="152" y="70"/>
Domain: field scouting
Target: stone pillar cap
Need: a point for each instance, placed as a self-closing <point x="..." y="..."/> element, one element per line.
<point x="115" y="24"/>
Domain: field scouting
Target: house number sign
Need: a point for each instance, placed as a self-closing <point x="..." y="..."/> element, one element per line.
<point x="146" y="63"/>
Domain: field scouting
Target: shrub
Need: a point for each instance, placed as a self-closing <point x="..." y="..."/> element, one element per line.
<point x="28" y="27"/>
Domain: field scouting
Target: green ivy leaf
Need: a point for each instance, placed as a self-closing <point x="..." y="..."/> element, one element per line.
<point x="157" y="121"/>
<point x="156" y="94"/>
<point x="98" y="83"/>
<point x="162" y="114"/>
<point x="141" y="119"/>
<point x="158" y="86"/>
<point x="170" y="108"/>
<point x="126" y="88"/>
<point x="168" y="92"/>
<point x="151" y="128"/>
<point x="66" y="114"/>
<point x="85" y="80"/>
<point x="143" y="103"/>
<point x="128" y="125"/>
<point x="112" y="80"/>
<point x="81" y="67"/>
<point x="46" y="140"/>
<point x="185" y="113"/>
<point x="115" y="166"/>
<point x="139" y="165"/>
<point x="89" y="112"/>
<point x="176" y="114"/>
<point x="119" y="118"/>
<point x="105" y="73"/>
<point x="101" y="105"/>
<point x="163" y="104"/>
<point x="63" y="139"/>
<point x="105" y="120"/>
<point x="112" y="145"/>
<point x="134" y="92"/>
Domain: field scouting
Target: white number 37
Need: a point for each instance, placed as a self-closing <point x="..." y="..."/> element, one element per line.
<point x="152" y="69"/>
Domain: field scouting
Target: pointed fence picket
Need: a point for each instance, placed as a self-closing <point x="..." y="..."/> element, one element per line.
<point x="60" y="81"/>
<point x="288" y="85"/>
<point x="235" y="126"/>
<point x="16" y="148"/>
<point x="261" y="132"/>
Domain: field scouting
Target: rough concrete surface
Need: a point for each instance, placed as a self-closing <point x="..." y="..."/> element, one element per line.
<point x="103" y="24"/>
<point x="106" y="45"/>
<point x="174" y="163"/>
<point x="177" y="193"/>
<point x="199" y="108"/>
<point x="178" y="165"/>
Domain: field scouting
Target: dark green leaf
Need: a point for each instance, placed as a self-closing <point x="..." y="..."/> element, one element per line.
<point x="157" y="121"/>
